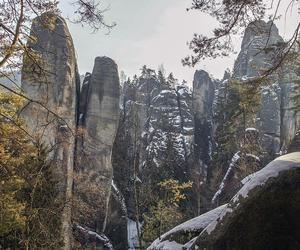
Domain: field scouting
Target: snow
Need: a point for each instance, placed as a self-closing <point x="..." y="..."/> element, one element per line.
<point x="132" y="234"/>
<point x="234" y="160"/>
<point x="168" y="245"/>
<point x="251" y="129"/>
<point x="211" y="227"/>
<point x="166" y="91"/>
<point x="192" y="225"/>
<point x="137" y="179"/>
<point x="119" y="197"/>
<point x="156" y="162"/>
<point x="282" y="163"/>
<point x="258" y="179"/>
<point x="188" y="129"/>
<point x="190" y="243"/>
<point x="101" y="237"/>
<point x="253" y="156"/>
<point x="181" y="91"/>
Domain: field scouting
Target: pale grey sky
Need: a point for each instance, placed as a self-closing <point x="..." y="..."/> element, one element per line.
<point x="154" y="32"/>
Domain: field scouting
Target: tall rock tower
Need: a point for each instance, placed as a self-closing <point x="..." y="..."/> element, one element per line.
<point x="260" y="44"/>
<point x="50" y="78"/>
<point x="203" y="98"/>
<point x="98" y="122"/>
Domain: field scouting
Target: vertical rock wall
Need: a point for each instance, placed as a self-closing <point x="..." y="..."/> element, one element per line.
<point x="51" y="80"/>
<point x="203" y="98"/>
<point x="275" y="120"/>
<point x="83" y="129"/>
<point x="99" y="116"/>
<point x="258" y="51"/>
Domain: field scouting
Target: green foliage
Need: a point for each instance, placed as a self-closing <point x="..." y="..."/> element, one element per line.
<point x="164" y="214"/>
<point x="159" y="219"/>
<point x="173" y="190"/>
<point x="236" y="110"/>
<point x="29" y="204"/>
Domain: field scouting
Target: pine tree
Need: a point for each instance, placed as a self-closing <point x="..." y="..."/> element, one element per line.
<point x="171" y="81"/>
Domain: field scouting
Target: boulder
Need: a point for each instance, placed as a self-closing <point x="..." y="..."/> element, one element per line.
<point x="264" y="214"/>
<point x="185" y="232"/>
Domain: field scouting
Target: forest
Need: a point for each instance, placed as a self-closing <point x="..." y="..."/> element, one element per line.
<point x="107" y="159"/>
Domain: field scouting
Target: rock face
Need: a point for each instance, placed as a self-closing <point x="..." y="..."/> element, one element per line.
<point x="116" y="227"/>
<point x="155" y="122"/>
<point x="275" y="120"/>
<point x="98" y="122"/>
<point x="204" y="96"/>
<point x="118" y="151"/>
<point x="203" y="99"/>
<point x="154" y="140"/>
<point x="251" y="219"/>
<point x="53" y="84"/>
<point x="290" y="118"/>
<point x="260" y="44"/>
<point x="262" y="215"/>
<point x="79" y="127"/>
<point x="295" y="143"/>
<point x="180" y="237"/>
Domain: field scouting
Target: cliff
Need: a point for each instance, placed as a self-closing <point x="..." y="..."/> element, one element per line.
<point x="79" y="128"/>
<point x="51" y="81"/>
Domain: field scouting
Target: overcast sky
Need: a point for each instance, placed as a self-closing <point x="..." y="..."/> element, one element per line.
<point x="154" y="32"/>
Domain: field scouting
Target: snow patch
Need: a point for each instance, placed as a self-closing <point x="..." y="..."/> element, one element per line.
<point x="192" y="225"/>
<point x="273" y="169"/>
<point x="132" y="234"/>
<point x="234" y="160"/>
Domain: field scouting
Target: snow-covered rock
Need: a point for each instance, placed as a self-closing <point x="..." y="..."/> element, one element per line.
<point x="186" y="231"/>
<point x="264" y="214"/>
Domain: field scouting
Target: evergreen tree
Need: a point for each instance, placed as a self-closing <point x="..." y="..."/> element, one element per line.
<point x="236" y="110"/>
<point x="171" y="81"/>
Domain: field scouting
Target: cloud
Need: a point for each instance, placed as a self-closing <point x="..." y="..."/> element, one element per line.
<point x="156" y="32"/>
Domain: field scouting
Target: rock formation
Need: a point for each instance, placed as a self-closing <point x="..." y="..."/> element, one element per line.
<point x="260" y="44"/>
<point x="51" y="81"/>
<point x="262" y="215"/>
<point x="266" y="208"/>
<point x="203" y="98"/>
<point x="79" y="128"/>
<point x="154" y="139"/>
<point x="275" y="120"/>
<point x="98" y="122"/>
<point x="159" y="130"/>
<point x="180" y="236"/>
